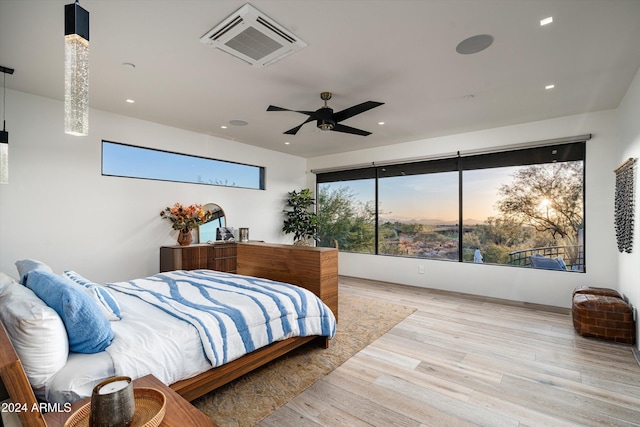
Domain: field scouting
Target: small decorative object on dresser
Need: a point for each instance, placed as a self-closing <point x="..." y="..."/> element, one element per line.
<point x="244" y="235"/>
<point x="186" y="218"/>
<point x="225" y="234"/>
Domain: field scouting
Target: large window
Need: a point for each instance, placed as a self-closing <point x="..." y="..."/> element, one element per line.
<point x="498" y="208"/>
<point x="418" y="210"/>
<point x="146" y="163"/>
<point x="348" y="213"/>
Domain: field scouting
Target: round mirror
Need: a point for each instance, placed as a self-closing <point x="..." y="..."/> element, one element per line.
<point x="207" y="231"/>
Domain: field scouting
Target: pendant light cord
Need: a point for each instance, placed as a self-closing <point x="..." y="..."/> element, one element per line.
<point x="4" y="100"/>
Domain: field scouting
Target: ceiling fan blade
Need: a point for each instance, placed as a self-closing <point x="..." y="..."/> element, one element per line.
<point x="297" y="128"/>
<point x="348" y="129"/>
<point x="356" y="109"/>
<point x="274" y="108"/>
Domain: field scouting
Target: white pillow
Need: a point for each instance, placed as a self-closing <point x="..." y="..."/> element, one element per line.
<point x="36" y="331"/>
<point x="25" y="266"/>
<point x="5" y="280"/>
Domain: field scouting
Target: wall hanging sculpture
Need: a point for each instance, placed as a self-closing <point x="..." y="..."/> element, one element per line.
<point x="624" y="205"/>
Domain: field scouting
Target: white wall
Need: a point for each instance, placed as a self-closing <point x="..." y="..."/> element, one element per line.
<point x="530" y="285"/>
<point x="629" y="264"/>
<point x="58" y="208"/>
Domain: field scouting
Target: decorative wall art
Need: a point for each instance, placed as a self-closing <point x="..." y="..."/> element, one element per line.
<point x="624" y="205"/>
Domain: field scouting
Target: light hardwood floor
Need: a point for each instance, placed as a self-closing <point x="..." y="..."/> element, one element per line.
<point x="463" y="360"/>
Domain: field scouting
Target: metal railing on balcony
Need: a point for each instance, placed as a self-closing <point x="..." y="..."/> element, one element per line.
<point x="572" y="255"/>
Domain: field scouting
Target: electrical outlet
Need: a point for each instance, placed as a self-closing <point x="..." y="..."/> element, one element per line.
<point x="421" y="269"/>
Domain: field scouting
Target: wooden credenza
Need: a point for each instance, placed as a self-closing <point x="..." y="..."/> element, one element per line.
<point x="312" y="268"/>
<point x="218" y="256"/>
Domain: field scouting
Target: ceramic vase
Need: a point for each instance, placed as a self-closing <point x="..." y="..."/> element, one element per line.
<point x="185" y="238"/>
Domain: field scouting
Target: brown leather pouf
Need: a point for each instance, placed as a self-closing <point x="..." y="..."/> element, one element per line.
<point x="605" y="292"/>
<point x="605" y="317"/>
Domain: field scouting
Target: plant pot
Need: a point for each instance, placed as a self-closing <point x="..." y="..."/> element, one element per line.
<point x="185" y="238"/>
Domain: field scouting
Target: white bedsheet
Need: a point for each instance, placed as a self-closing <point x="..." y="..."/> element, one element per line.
<point x="234" y="314"/>
<point x="147" y="341"/>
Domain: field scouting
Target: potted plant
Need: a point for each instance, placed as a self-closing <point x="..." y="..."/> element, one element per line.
<point x="300" y="218"/>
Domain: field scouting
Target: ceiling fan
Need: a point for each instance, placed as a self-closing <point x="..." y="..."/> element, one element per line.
<point x="328" y="120"/>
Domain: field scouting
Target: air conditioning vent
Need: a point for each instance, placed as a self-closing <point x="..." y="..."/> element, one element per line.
<point x="252" y="36"/>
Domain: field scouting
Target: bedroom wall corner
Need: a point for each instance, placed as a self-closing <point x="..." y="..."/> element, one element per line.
<point x="629" y="263"/>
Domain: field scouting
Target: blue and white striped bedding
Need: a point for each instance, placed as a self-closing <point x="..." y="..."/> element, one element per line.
<point x="234" y="314"/>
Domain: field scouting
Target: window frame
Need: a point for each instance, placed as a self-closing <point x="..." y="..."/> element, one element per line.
<point x="565" y="151"/>
<point x="261" y="185"/>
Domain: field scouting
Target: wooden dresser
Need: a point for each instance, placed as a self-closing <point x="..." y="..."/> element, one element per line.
<point x="310" y="267"/>
<point x="218" y="256"/>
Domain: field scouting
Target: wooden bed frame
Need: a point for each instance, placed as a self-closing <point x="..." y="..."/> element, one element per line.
<point x="313" y="268"/>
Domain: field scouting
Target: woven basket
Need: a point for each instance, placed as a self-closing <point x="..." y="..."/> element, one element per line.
<point x="150" y="408"/>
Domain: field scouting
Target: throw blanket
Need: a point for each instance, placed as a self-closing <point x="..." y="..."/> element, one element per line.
<point x="234" y="314"/>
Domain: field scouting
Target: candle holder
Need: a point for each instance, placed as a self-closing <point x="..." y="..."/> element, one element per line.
<point x="112" y="403"/>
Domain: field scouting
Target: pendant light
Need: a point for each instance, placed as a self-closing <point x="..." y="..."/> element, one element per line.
<point x="76" y="69"/>
<point x="4" y="135"/>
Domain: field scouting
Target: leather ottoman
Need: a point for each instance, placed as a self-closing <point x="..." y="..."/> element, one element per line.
<point x="603" y="316"/>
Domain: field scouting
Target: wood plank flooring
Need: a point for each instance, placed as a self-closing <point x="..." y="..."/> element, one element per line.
<point x="462" y="360"/>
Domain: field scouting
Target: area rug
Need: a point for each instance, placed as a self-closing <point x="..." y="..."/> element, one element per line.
<point x="249" y="399"/>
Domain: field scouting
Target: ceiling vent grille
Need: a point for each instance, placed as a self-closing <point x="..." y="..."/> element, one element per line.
<point x="252" y="36"/>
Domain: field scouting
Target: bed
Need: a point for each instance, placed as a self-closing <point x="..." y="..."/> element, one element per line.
<point x="196" y="377"/>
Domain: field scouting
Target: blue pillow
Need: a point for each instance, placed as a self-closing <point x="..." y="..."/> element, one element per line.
<point x="87" y="328"/>
<point x="539" y="261"/>
<point x="24" y="266"/>
<point x="101" y="295"/>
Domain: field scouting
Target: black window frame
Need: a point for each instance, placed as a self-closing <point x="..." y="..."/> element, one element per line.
<point x="261" y="169"/>
<point x="560" y="152"/>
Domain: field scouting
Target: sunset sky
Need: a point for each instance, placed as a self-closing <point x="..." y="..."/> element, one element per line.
<point x="435" y="196"/>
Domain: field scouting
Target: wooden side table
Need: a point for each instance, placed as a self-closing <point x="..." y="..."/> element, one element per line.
<point x="178" y="411"/>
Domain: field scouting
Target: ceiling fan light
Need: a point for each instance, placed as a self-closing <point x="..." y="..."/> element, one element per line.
<point x="324" y="125"/>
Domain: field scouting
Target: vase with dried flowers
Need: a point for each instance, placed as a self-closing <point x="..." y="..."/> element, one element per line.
<point x="186" y="218"/>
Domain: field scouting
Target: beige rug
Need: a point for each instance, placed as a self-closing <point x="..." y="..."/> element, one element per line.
<point x="247" y="400"/>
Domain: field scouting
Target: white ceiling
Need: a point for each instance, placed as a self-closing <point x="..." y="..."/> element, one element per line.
<point x="400" y="52"/>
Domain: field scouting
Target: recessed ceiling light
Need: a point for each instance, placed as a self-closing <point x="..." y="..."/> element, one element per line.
<point x="547" y="87"/>
<point x="474" y="44"/>
<point x="238" y="122"/>
<point x="546" y="21"/>
<point x="130" y="101"/>
<point x="287" y="143"/>
<point x="223" y="127"/>
<point x="380" y="123"/>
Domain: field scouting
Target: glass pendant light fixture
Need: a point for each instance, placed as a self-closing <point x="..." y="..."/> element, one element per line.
<point x="4" y="135"/>
<point x="76" y="69"/>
